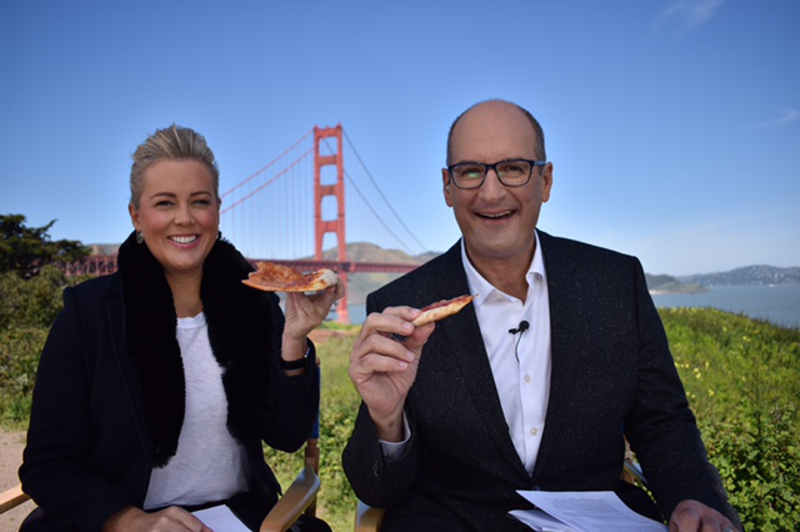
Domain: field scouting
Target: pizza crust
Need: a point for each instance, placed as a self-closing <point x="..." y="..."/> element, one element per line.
<point x="442" y="309"/>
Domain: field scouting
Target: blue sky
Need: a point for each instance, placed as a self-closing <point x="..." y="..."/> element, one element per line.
<point x="673" y="126"/>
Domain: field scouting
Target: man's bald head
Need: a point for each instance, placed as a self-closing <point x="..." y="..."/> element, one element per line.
<point x="537" y="128"/>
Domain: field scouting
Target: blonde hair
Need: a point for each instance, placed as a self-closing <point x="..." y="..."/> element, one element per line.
<point x="173" y="142"/>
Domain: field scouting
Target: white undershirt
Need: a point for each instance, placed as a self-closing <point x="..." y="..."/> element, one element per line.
<point x="524" y="385"/>
<point x="209" y="464"/>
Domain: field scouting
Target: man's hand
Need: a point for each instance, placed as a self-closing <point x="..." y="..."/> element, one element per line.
<point x="172" y="519"/>
<point x="383" y="367"/>
<point x="694" y="516"/>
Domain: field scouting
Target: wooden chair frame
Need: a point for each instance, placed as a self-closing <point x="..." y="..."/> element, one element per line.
<point x="300" y="498"/>
<point x="11" y="498"/>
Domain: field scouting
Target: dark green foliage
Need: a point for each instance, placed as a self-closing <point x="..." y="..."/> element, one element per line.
<point x="27" y="309"/>
<point x="34" y="302"/>
<point x="30" y="299"/>
<point x="25" y="250"/>
<point x="337" y="503"/>
<point x="19" y="358"/>
<point x="741" y="376"/>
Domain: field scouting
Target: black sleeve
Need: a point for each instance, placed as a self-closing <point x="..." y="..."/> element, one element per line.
<point x="55" y="470"/>
<point x="375" y="480"/>
<point x="661" y="427"/>
<point x="295" y="405"/>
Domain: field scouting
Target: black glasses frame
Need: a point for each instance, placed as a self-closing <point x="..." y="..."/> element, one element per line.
<point x="487" y="167"/>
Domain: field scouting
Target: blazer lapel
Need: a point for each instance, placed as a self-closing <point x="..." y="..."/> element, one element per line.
<point x="115" y="314"/>
<point x="561" y="287"/>
<point x="468" y="351"/>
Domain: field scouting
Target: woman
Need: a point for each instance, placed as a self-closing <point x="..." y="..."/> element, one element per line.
<point x="158" y="383"/>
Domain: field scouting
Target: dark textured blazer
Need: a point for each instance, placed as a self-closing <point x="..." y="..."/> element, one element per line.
<point x="612" y="375"/>
<point x="109" y="395"/>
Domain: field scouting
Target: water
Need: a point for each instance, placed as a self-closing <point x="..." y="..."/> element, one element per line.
<point x="358" y="313"/>
<point x="778" y="304"/>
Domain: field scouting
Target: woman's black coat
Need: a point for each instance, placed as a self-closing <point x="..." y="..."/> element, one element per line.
<point x="109" y="397"/>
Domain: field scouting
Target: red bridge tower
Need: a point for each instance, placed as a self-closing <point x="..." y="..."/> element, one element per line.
<point x="336" y="225"/>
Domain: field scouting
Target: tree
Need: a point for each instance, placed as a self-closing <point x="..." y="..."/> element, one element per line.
<point x="25" y="250"/>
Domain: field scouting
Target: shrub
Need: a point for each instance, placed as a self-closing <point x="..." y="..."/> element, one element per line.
<point x="27" y="308"/>
<point x="741" y="379"/>
<point x="338" y="407"/>
<point x="740" y="376"/>
<point x="24" y="250"/>
<point x="19" y="358"/>
<point x="33" y="302"/>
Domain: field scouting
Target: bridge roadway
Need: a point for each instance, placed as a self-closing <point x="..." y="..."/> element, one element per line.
<point x="97" y="265"/>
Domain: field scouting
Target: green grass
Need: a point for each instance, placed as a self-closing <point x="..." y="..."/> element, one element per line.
<point x="19" y="358"/>
<point x="741" y="377"/>
<point x="339" y="403"/>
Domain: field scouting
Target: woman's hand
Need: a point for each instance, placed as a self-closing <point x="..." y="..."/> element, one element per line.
<point x="304" y="313"/>
<point x="172" y="519"/>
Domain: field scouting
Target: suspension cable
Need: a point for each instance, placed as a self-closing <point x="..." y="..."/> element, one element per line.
<point x="364" y="199"/>
<point x="273" y="161"/>
<point x="264" y="185"/>
<point x="364" y="166"/>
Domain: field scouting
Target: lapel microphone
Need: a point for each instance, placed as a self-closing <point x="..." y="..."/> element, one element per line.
<point x="523" y="326"/>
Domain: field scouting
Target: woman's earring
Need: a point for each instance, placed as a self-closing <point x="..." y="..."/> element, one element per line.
<point x="139" y="237"/>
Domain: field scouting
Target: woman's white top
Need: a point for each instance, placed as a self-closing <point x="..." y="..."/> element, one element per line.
<point x="209" y="463"/>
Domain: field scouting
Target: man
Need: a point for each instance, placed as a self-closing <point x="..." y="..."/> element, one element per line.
<point x="535" y="385"/>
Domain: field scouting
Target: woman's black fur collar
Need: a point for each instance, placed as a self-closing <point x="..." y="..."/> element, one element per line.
<point x="244" y="329"/>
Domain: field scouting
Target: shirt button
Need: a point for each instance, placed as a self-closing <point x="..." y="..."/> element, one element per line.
<point x="527" y="378"/>
<point x="534" y="432"/>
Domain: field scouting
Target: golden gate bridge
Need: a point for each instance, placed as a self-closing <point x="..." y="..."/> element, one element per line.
<point x="279" y="224"/>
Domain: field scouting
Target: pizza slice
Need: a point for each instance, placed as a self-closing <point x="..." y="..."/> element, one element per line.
<point x="442" y="309"/>
<point x="273" y="277"/>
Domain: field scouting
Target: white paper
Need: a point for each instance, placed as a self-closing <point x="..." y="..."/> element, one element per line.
<point x="587" y="511"/>
<point x="540" y="521"/>
<point x="220" y="519"/>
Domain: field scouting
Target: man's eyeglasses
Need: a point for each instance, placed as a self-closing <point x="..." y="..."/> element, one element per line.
<point x="511" y="173"/>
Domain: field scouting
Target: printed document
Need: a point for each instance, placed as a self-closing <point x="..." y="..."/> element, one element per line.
<point x="220" y="519"/>
<point x="582" y="511"/>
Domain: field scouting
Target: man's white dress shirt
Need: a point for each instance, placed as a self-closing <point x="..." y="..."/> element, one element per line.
<point x="520" y="361"/>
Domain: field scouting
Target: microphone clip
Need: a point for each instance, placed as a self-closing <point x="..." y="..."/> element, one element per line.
<point x="521" y="328"/>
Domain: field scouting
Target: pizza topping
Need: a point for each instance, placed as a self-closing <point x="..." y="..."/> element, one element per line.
<point x="273" y="277"/>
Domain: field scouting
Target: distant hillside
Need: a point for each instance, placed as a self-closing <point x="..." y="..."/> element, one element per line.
<point x="366" y="252"/>
<point x="103" y="249"/>
<point x="361" y="284"/>
<point x="748" y="275"/>
<point x="667" y="284"/>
